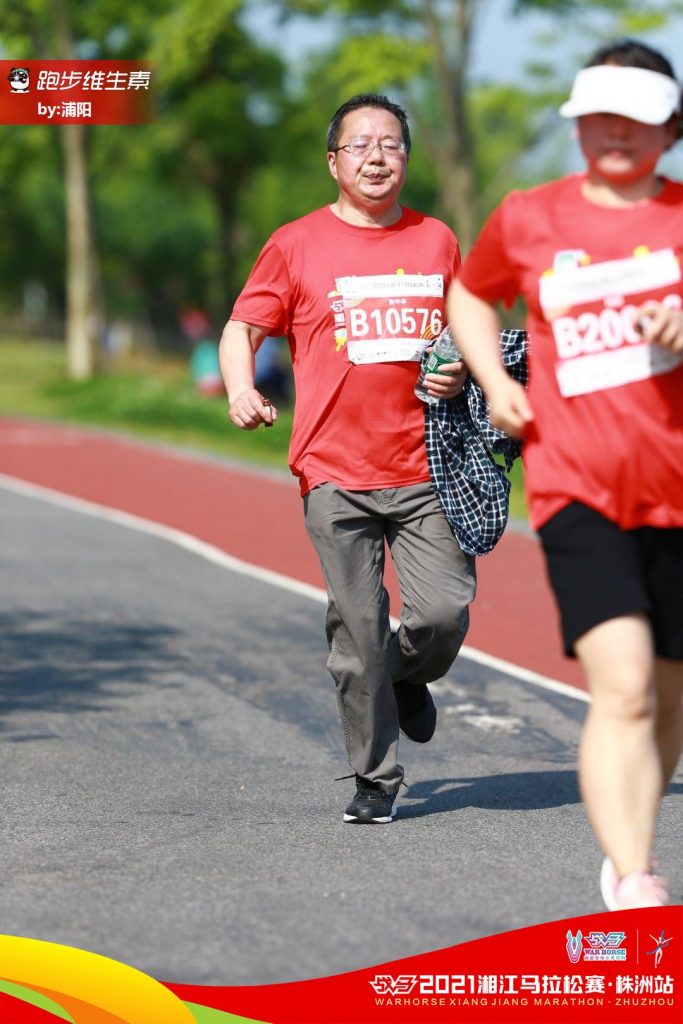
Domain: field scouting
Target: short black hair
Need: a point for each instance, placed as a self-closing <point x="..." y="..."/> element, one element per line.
<point x="366" y="99"/>
<point x="631" y="53"/>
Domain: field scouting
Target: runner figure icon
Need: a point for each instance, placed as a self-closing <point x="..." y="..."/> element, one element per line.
<point x="660" y="943"/>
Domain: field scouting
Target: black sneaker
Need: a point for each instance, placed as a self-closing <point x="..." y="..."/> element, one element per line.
<point x="371" y="804"/>
<point x="416" y="710"/>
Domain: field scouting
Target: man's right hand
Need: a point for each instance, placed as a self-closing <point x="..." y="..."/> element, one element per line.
<point x="509" y="408"/>
<point x="248" y="410"/>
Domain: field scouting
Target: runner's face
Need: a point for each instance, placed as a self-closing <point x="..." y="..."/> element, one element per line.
<point x="376" y="179"/>
<point x="619" y="150"/>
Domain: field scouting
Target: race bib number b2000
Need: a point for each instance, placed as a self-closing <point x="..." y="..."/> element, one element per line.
<point x="591" y="309"/>
<point x="391" y="317"/>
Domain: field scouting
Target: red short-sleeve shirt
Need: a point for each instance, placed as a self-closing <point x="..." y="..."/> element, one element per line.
<point x="357" y="305"/>
<point x="608" y="407"/>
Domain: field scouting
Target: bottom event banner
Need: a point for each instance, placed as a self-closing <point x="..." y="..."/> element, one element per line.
<point x="621" y="967"/>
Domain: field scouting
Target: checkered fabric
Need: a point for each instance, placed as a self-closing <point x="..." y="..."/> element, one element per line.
<point x="472" y="487"/>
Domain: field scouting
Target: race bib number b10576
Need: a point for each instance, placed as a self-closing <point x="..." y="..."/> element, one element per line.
<point x="391" y="317"/>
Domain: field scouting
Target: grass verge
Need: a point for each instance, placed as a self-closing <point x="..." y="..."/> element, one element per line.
<point x="152" y="399"/>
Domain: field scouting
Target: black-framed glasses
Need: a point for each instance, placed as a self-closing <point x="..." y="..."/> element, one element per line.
<point x="364" y="147"/>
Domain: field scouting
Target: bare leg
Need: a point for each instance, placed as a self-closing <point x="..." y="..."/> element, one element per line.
<point x="669" y="723"/>
<point x="620" y="770"/>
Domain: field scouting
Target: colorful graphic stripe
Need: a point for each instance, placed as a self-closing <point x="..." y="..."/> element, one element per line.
<point x="626" y="965"/>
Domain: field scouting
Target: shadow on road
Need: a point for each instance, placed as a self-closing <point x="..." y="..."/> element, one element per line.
<point x="52" y="664"/>
<point x="514" y="791"/>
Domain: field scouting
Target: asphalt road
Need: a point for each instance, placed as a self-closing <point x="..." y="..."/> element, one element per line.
<point x="169" y="742"/>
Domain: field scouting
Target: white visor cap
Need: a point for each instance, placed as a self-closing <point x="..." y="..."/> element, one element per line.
<point x="642" y="95"/>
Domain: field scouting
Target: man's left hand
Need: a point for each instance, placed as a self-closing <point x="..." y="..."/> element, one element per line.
<point x="449" y="382"/>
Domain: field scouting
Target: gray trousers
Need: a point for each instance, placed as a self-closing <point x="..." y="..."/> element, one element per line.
<point x="437" y="582"/>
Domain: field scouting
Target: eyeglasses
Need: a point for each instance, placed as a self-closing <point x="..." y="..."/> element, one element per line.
<point x="363" y="147"/>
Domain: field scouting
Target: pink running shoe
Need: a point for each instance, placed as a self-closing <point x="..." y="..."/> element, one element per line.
<point x="639" y="889"/>
<point x="609" y="881"/>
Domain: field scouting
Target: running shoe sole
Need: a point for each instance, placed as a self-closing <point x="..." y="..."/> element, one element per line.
<point x="357" y="820"/>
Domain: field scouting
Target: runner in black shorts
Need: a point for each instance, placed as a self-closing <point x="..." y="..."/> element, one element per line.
<point x="597" y="258"/>
<point x="600" y="572"/>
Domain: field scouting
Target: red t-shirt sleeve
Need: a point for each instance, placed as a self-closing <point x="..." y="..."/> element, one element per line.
<point x="264" y="300"/>
<point x="489" y="271"/>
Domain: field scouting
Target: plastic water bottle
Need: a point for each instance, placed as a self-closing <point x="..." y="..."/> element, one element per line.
<point x="444" y="351"/>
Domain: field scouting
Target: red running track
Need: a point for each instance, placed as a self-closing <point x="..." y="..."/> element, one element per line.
<point x="258" y="518"/>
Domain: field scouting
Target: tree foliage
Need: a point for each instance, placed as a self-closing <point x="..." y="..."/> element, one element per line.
<point x="182" y="205"/>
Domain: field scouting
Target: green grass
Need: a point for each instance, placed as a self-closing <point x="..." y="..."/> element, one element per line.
<point x="151" y="399"/>
<point x="148" y="398"/>
<point x="518" y="506"/>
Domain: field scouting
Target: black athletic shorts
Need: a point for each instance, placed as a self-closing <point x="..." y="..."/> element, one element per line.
<point x="599" y="572"/>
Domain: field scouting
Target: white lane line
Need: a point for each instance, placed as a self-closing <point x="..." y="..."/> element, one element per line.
<point x="526" y="675"/>
<point x="179" y="537"/>
<point x="276" y="579"/>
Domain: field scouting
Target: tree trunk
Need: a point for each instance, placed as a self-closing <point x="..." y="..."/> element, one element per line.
<point x="84" y="317"/>
<point x="225" y="185"/>
<point x="453" y="150"/>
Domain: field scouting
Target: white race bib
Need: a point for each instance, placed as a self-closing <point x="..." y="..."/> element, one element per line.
<point x="575" y="286"/>
<point x="590" y="308"/>
<point x="391" y="317"/>
<point x="610" y="369"/>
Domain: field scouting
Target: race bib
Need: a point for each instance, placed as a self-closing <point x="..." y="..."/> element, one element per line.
<point x="574" y="286"/>
<point x="391" y="317"/>
<point x="610" y="369"/>
<point x="590" y="308"/>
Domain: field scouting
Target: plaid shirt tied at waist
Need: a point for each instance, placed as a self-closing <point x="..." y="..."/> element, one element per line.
<point x="472" y="487"/>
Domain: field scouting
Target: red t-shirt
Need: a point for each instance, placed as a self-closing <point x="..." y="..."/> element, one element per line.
<point x="357" y="305"/>
<point x="608" y="407"/>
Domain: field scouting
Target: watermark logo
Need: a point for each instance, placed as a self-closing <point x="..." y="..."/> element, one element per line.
<point x="574" y="946"/>
<point x="75" y="92"/>
<point x="660" y="945"/>
<point x="598" y="946"/>
<point x="386" y="985"/>
<point x="19" y="80"/>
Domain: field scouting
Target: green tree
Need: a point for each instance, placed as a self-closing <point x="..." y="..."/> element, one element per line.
<point x="177" y="209"/>
<point x="161" y="199"/>
<point x="84" y="297"/>
<point x="422" y="49"/>
<point x="223" y="97"/>
<point x="43" y="28"/>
